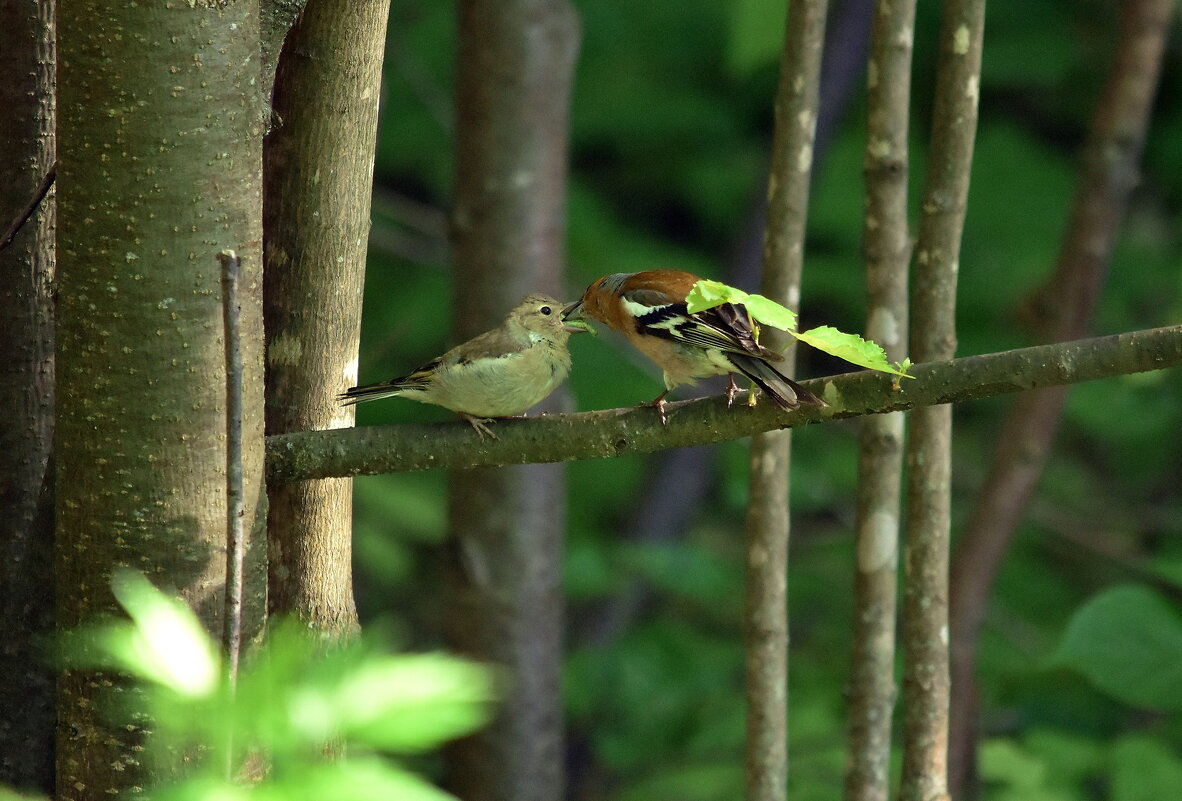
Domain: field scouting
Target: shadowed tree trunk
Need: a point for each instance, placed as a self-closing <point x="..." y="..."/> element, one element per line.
<point x="160" y="132"/>
<point x="502" y="591"/>
<point x="319" y="175"/>
<point x="27" y="149"/>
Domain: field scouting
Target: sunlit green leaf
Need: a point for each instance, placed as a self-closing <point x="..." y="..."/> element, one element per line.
<point x="354" y="779"/>
<point x="403" y="703"/>
<point x="769" y="312"/>
<point x="852" y="348"/>
<point x="707" y="294"/>
<point x="166" y="643"/>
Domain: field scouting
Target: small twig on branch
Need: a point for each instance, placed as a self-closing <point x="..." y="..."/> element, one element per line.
<point x="235" y="487"/>
<point x="31" y="209"/>
<point x="618" y="432"/>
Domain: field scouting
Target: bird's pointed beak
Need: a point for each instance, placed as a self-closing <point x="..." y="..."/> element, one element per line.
<point x="576" y="323"/>
<point x="572" y="308"/>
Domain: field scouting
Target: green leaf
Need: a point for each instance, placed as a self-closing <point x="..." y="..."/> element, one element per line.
<point x="166" y="643"/>
<point x="1144" y="769"/>
<point x="1007" y="762"/>
<point x="402" y="703"/>
<point x="852" y="348"/>
<point x="768" y="312"/>
<point x="708" y="294"/>
<point x="1128" y="642"/>
<point x="353" y="779"/>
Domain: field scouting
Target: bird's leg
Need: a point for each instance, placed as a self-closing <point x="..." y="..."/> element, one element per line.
<point x="732" y="389"/>
<point x="479" y="424"/>
<point x="658" y="403"/>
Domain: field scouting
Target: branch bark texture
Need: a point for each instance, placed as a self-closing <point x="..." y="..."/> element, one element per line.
<point x="1109" y="173"/>
<point x="767" y="526"/>
<point x="880" y="448"/>
<point x="618" y="432"/>
<point x="319" y="176"/>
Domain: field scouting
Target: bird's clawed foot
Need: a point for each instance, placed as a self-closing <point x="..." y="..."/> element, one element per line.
<point x="479" y="424"/>
<point x="658" y="403"/>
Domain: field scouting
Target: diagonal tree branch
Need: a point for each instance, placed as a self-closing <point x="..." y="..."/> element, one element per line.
<point x="617" y="432"/>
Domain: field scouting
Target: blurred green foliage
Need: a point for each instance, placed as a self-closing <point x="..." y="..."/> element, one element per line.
<point x="298" y="697"/>
<point x="670" y="129"/>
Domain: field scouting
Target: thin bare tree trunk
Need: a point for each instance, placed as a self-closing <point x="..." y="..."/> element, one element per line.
<point x="929" y="459"/>
<point x="796" y="111"/>
<point x="28" y="149"/>
<point x="880" y="464"/>
<point x="1109" y="174"/>
<point x="149" y="192"/>
<point x="319" y="177"/>
<point x="502" y="588"/>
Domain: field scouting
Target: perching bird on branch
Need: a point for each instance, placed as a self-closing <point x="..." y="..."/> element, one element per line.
<point x="499" y="373"/>
<point x="649" y="309"/>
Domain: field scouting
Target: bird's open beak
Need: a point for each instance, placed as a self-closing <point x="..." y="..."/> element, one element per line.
<point x="576" y="323"/>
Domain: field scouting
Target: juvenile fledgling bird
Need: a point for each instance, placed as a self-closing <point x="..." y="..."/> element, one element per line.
<point x="649" y="309"/>
<point x="499" y="373"/>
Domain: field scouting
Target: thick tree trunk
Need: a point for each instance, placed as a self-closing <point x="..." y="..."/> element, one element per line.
<point x="28" y="149"/>
<point x="503" y="579"/>
<point x="319" y="175"/>
<point x="161" y="120"/>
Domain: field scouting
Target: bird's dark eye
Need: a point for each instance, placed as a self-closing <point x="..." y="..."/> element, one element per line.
<point x="546" y="310"/>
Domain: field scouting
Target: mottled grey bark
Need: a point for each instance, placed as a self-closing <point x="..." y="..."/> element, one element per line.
<point x="887" y="242"/>
<point x="160" y="133"/>
<point x="319" y="178"/>
<point x="929" y="444"/>
<point x="796" y="107"/>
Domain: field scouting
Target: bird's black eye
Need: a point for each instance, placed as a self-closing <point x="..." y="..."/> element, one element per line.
<point x="546" y="310"/>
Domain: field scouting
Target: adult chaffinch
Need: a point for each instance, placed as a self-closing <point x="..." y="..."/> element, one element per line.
<point x="499" y="373"/>
<point x="649" y="309"/>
